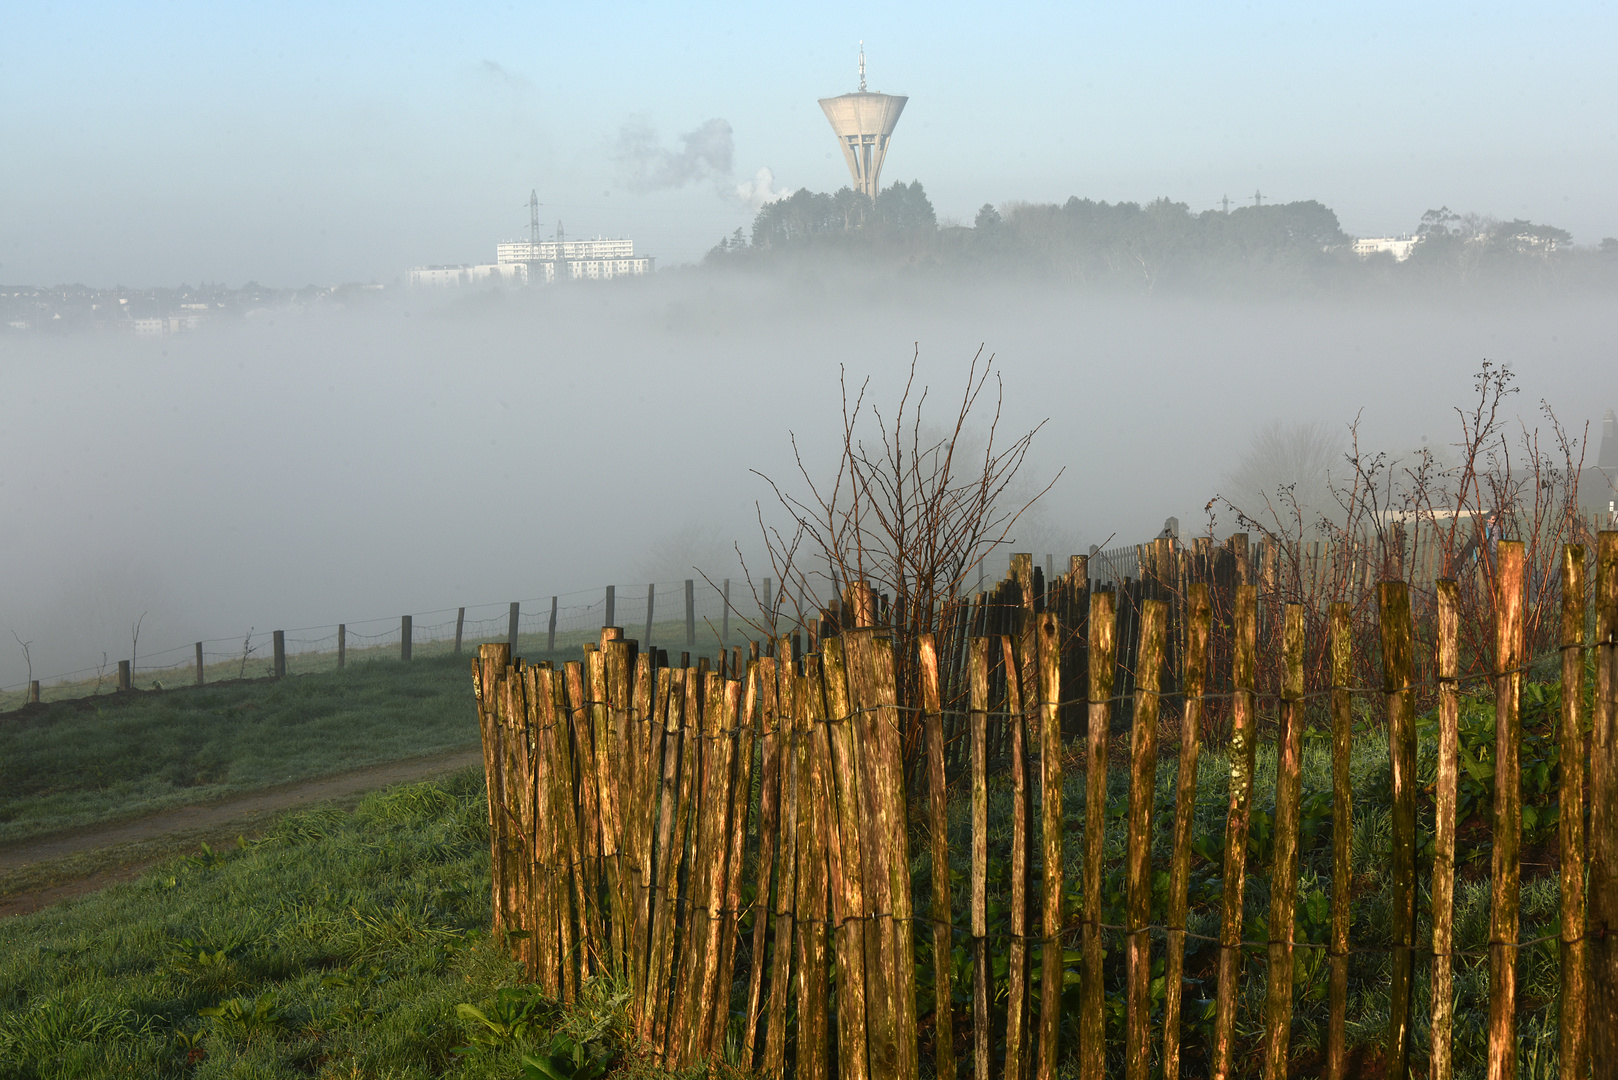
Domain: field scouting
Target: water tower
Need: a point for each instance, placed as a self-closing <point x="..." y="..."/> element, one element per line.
<point x="864" y="124"/>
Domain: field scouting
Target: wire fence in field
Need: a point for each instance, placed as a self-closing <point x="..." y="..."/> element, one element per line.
<point x="692" y="615"/>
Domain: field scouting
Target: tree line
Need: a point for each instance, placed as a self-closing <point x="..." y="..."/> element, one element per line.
<point x="1161" y="244"/>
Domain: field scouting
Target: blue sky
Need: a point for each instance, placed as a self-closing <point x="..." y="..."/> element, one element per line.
<point x="297" y="143"/>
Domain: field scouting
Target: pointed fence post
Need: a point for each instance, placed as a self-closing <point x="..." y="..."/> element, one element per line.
<point x="1446" y="790"/>
<point x="1507" y="838"/>
<point x="550" y="632"/>
<point x="279" y="668"/>
<point x="612" y="603"/>
<point x="651" y="596"/>
<point x="1602" y="918"/>
<point x="1573" y="1000"/>
<point x="460" y="624"/>
<point x="1092" y="992"/>
<point x="342" y="645"/>
<point x="199" y="663"/>
<point x="405" y="626"/>
<point x="511" y="628"/>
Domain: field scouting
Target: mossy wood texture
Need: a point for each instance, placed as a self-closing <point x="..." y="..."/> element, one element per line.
<point x="752" y="855"/>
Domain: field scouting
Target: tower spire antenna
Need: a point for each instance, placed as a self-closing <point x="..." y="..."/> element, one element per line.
<point x="862" y="67"/>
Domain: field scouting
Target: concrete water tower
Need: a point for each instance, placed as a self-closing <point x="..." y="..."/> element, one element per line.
<point x="864" y="124"/>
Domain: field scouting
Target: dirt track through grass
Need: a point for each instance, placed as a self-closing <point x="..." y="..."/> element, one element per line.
<point x="28" y="883"/>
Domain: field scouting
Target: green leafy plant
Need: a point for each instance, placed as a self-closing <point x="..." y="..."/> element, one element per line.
<point x="567" y="1059"/>
<point x="516" y="1015"/>
<point x="242" y="1020"/>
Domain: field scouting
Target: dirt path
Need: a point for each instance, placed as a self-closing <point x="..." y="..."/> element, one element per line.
<point x="141" y="837"/>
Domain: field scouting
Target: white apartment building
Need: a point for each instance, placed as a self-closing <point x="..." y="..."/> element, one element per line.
<point x="523" y="251"/>
<point x="469" y="274"/>
<point x="1399" y="247"/>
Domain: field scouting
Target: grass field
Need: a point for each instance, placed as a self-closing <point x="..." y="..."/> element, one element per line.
<point x="87" y="760"/>
<point x="76" y="763"/>
<point x="336" y="945"/>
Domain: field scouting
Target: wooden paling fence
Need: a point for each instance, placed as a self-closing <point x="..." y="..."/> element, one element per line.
<point x="737" y="845"/>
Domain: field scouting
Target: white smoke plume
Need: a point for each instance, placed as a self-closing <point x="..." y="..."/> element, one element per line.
<point x="705" y="154"/>
<point x="755" y="193"/>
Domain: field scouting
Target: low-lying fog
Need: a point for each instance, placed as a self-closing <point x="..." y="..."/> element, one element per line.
<point x="434" y="450"/>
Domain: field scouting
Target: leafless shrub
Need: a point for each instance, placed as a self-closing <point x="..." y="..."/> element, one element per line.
<point x="1418" y="520"/>
<point x="911" y="511"/>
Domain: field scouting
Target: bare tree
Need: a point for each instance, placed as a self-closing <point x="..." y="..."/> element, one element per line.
<point x="910" y="514"/>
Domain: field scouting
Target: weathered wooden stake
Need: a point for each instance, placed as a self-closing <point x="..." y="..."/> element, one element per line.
<point x="550" y="632"/>
<point x="1138" y="857"/>
<point x="1445" y="795"/>
<point x="342" y="645"/>
<point x="1048" y="652"/>
<point x="278" y="666"/>
<point x="404" y="638"/>
<point x="511" y="628"/>
<point x="1243" y="744"/>
<point x="199" y="664"/>
<point x="460" y="624"/>
<point x="651" y="596"/>
<point x="933" y="720"/>
<point x="1507" y="837"/>
<point x="1284" y="879"/>
<point x="1342" y="834"/>
<point x="978" y="716"/>
<point x="33" y="691"/>
<point x="813" y="881"/>
<point x="1092" y="992"/>
<point x="847" y="869"/>
<point x="1394" y="605"/>
<point x="1573" y="1000"/>
<point x="1602" y="922"/>
<point x="1017" y="997"/>
<point x="1198" y="621"/>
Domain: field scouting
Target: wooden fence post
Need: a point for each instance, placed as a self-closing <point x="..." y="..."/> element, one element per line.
<point x="1573" y="999"/>
<point x="1047" y="653"/>
<point x="1602" y="919"/>
<point x="690" y="613"/>
<point x="511" y="628"/>
<point x="33" y="691"/>
<point x="1507" y="836"/>
<point x="460" y="624"/>
<point x="1198" y="621"/>
<point x="199" y="664"/>
<point x="612" y="603"/>
<point x="940" y="908"/>
<point x="550" y="633"/>
<point x="1138" y="865"/>
<point x="1394" y="604"/>
<point x="651" y="597"/>
<point x="279" y="668"/>
<point x="1243" y="743"/>
<point x="1092" y="993"/>
<point x="1284" y="879"/>
<point x="405" y="626"/>
<point x="978" y="719"/>
<point x="125" y="679"/>
<point x="1017" y="997"/>
<point x="1445" y="796"/>
<point x="342" y="645"/>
